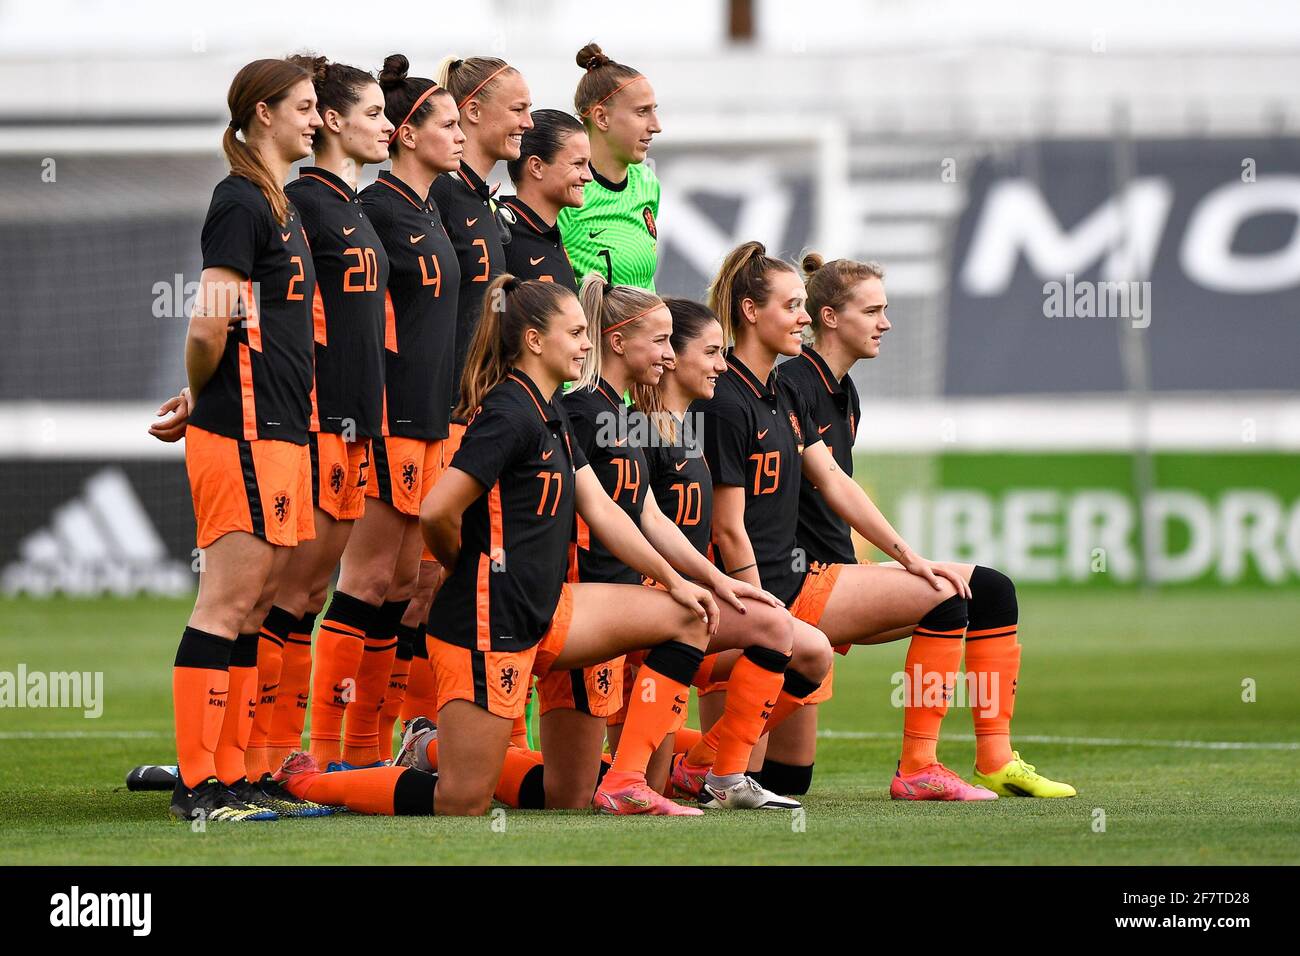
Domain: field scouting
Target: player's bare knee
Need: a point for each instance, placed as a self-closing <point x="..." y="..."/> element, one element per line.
<point x="771" y="628"/>
<point x="811" y="655"/>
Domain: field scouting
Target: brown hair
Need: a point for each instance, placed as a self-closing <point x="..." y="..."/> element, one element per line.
<point x="262" y="81"/>
<point x="831" y="283"/>
<point x="401" y="93"/>
<point x="607" y="306"/>
<point x="510" y="307"/>
<point x="601" y="78"/>
<point x="689" y="321"/>
<point x="338" y="86"/>
<point x="474" y="78"/>
<point x="744" y="275"/>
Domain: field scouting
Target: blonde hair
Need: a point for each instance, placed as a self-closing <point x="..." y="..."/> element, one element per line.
<point x="510" y="308"/>
<point x="831" y="283"/>
<point x="607" y="306"/>
<point x="472" y="78"/>
<point x="744" y="275"/>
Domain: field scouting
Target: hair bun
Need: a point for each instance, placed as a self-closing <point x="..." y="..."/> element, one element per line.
<point x="592" y="57"/>
<point x="811" y="262"/>
<point x="394" y="71"/>
<point x="510" y="284"/>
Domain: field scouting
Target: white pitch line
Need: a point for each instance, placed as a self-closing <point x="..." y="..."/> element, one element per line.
<point x="82" y="734"/>
<point x="1087" y="741"/>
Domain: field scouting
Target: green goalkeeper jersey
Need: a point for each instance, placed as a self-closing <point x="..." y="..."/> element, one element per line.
<point x="614" y="233"/>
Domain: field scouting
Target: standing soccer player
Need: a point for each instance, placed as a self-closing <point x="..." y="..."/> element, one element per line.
<point x="357" y="646"/>
<point x="549" y="176"/>
<point x="248" y="356"/>
<point x="347" y="400"/>
<point x="614" y="232"/>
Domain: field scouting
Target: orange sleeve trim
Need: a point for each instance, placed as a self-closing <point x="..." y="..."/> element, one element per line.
<point x="247" y="396"/>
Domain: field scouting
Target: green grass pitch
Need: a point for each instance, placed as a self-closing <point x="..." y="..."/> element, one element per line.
<point x="1124" y="676"/>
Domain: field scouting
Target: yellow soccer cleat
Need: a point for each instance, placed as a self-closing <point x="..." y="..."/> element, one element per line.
<point x="1019" y="779"/>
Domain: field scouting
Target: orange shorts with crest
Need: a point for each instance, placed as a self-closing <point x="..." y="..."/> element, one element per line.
<point x="498" y="681"/>
<point x="262" y="487"/>
<point x="339" y="474"/>
<point x="809" y="604"/>
<point x="596" y="690"/>
<point x="402" y="470"/>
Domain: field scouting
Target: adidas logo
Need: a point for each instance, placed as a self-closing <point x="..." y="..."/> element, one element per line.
<point x="102" y="542"/>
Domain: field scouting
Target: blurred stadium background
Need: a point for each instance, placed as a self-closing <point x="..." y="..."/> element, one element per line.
<point x="981" y="152"/>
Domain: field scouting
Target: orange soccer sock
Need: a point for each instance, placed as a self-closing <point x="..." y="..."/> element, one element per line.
<point x="241" y="705"/>
<point x="200" y="688"/>
<point x="290" y="714"/>
<point x="752" y="692"/>
<point x="398" y="680"/>
<point x="339" y="647"/>
<point x="421" y="688"/>
<point x="995" y="664"/>
<point x="685" y="739"/>
<point x="658" y="704"/>
<point x="930" y="673"/>
<point x="388" y="791"/>
<point x="520" y="785"/>
<point x="270" y="660"/>
<point x="519" y="729"/>
<point x="361" y="729"/>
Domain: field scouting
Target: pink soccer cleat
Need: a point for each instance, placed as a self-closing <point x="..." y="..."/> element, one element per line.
<point x="297" y="772"/>
<point x="935" y="782"/>
<point x="687" y="779"/>
<point x="624" y="794"/>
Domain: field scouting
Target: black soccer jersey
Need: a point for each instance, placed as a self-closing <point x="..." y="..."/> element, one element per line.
<point x="535" y="250"/>
<point x="601" y="426"/>
<point x="262" y="385"/>
<point x="754" y="435"/>
<point x="348" y="314"/>
<point x="504" y="589"/>
<point x="479" y="237"/>
<point x="420" y="309"/>
<point x="682" y="485"/>
<point x="835" y="410"/>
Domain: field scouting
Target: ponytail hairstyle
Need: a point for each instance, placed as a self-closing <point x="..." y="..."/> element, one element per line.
<point x="690" y="319"/>
<point x="551" y="128"/>
<point x="474" y="78"/>
<point x="338" y="87"/>
<point x="831" y="283"/>
<point x="601" y="79"/>
<point x="407" y="99"/>
<point x="262" y="81"/>
<point x="744" y="275"/>
<point x="609" y="307"/>
<point x="510" y="307"/>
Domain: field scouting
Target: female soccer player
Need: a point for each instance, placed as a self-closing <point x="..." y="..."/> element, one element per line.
<point x="614" y="231"/>
<point x="761" y="437"/>
<point x="347" y="400"/>
<point x="493" y="100"/>
<point x="500" y="518"/>
<point x="549" y="175"/>
<point x="847" y="306"/>
<point x="249" y="364"/>
<point x="633" y="328"/>
<point x="357" y="644"/>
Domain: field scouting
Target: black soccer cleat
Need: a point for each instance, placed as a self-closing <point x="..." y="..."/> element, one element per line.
<point x="211" y="800"/>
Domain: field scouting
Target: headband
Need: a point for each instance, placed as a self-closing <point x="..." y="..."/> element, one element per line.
<point x="411" y="112"/>
<point x="619" y="325"/>
<point x="617" y="89"/>
<point x="491" y="76"/>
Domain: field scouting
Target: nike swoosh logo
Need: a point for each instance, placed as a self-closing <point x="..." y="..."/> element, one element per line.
<point x="285" y="236"/>
<point x="620" y="443"/>
<point x="546" y="455"/>
<point x="680" y="465"/>
<point x="823" y="428"/>
<point x="936" y="787"/>
<point x="762" y="433"/>
<point x="217" y="693"/>
<point x="304" y="697"/>
<point x="415" y="239"/>
<point x="267" y="688"/>
<point x="634" y="802"/>
<point x="537" y="261"/>
<point x="593" y="235"/>
<point x="349" y="230"/>
<point x="469" y="223"/>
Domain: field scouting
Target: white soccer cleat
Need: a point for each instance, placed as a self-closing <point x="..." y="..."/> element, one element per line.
<point x="415" y="744"/>
<point x="745" y="795"/>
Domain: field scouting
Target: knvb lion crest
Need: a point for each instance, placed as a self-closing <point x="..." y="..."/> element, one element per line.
<point x="650" y="222"/>
<point x="336" y="478"/>
<point x="280" y="503"/>
<point x="408" y="474"/>
<point x="509" y="677"/>
<point x="604" y="681"/>
<point x="794" y="423"/>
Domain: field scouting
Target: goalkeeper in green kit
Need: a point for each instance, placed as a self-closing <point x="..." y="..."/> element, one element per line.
<point x="614" y="231"/>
